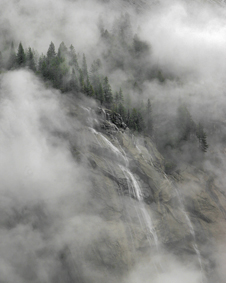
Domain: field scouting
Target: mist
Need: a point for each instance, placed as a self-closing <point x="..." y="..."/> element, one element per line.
<point x="38" y="176"/>
<point x="52" y="214"/>
<point x="51" y="221"/>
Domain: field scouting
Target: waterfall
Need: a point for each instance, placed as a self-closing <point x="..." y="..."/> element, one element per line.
<point x="191" y="228"/>
<point x="192" y="231"/>
<point x="123" y="152"/>
<point x="144" y="217"/>
<point x="90" y="117"/>
<point x="122" y="157"/>
<point x="134" y="190"/>
<point x="114" y="149"/>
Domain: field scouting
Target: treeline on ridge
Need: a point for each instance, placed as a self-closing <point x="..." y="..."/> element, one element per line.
<point x="66" y="71"/>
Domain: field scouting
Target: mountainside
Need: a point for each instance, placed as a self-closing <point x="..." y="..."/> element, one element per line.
<point x="85" y="200"/>
<point x="148" y="212"/>
<point x="112" y="141"/>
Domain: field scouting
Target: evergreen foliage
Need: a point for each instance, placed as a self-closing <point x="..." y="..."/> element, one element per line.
<point x="73" y="59"/>
<point x="51" y="53"/>
<point x="20" y="56"/>
<point x="62" y="70"/>
<point x="108" y="98"/>
<point x="84" y="67"/>
<point x="73" y="83"/>
<point x="31" y="60"/>
<point x="139" y="47"/>
<point x="88" y="88"/>
<point x="185" y="124"/>
<point x="187" y="129"/>
<point x="122" y="111"/>
<point x="128" y="120"/>
<point x="100" y="94"/>
<point x="116" y="99"/>
<point x="95" y="75"/>
<point x="81" y="81"/>
<point x="62" y="52"/>
<point x="120" y="96"/>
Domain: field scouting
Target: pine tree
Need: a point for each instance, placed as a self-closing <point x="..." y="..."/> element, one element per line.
<point x="116" y="97"/>
<point x="107" y="92"/>
<point x="128" y="119"/>
<point x="51" y="53"/>
<point x="20" y="56"/>
<point x="94" y="74"/>
<point x="88" y="88"/>
<point x="100" y="94"/>
<point x="81" y="81"/>
<point x="42" y="66"/>
<point x="51" y="65"/>
<point x="121" y="98"/>
<point x="140" y="121"/>
<point x="139" y="47"/>
<point x="31" y="60"/>
<point x="62" y="52"/>
<point x="122" y="111"/>
<point x="185" y="124"/>
<point x="116" y="101"/>
<point x="73" y="83"/>
<point x="91" y="90"/>
<point x="84" y="67"/>
<point x="133" y="119"/>
<point x="73" y="58"/>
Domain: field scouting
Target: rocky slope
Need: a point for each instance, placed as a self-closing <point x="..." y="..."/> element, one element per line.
<point x="146" y="212"/>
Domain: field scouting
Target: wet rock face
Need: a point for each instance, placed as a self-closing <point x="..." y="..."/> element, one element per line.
<point x="108" y="118"/>
<point x="108" y="127"/>
<point x="116" y="119"/>
<point x="184" y="209"/>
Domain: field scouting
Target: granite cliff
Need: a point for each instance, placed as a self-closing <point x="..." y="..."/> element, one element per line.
<point x="147" y="212"/>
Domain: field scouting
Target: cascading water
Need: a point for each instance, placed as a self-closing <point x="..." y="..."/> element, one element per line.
<point x="144" y="217"/>
<point x="120" y="161"/>
<point x="134" y="190"/>
<point x="191" y="228"/>
<point x="114" y="149"/>
<point x="121" y="156"/>
<point x="90" y="118"/>
<point x="192" y="231"/>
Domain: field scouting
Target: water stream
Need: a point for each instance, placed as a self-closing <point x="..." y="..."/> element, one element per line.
<point x="134" y="190"/>
<point x="191" y="228"/>
<point x="143" y="215"/>
<point x="121" y="157"/>
<point x="124" y="158"/>
<point x="192" y="231"/>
